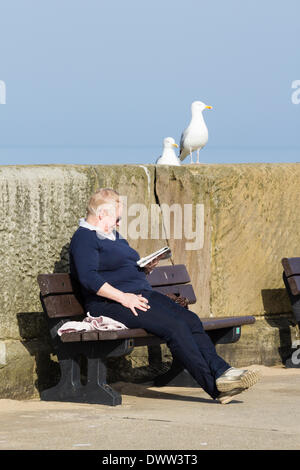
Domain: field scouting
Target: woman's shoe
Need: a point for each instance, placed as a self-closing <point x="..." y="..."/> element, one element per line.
<point x="237" y="379"/>
<point x="227" y="397"/>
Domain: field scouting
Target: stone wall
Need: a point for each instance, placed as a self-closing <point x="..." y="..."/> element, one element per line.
<point x="251" y="221"/>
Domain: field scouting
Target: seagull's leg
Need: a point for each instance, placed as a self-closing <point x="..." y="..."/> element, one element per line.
<point x="191" y="155"/>
<point x="198" y="156"/>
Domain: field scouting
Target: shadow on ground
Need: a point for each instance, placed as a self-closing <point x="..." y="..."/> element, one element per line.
<point x="278" y="315"/>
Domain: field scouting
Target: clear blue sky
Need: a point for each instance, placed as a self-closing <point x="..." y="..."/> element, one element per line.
<point x="119" y="76"/>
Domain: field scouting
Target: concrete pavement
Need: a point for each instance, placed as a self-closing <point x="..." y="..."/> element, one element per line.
<point x="264" y="417"/>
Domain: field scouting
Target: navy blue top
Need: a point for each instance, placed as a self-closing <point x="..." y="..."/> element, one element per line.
<point x="95" y="259"/>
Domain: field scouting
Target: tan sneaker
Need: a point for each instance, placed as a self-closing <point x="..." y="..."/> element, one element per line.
<point x="227" y="397"/>
<point x="237" y="379"/>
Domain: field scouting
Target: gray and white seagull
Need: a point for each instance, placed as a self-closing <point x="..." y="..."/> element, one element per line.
<point x="195" y="135"/>
<point x="168" y="156"/>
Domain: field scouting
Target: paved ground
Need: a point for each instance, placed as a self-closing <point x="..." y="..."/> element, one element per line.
<point x="264" y="417"/>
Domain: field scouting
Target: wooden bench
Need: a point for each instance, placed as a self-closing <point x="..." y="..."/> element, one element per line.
<point x="60" y="298"/>
<point x="291" y="279"/>
<point x="291" y="274"/>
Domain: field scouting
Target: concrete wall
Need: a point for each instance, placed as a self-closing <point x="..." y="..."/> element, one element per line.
<point x="251" y="221"/>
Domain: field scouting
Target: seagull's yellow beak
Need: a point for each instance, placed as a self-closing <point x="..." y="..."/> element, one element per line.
<point x="175" y="145"/>
<point x="208" y="107"/>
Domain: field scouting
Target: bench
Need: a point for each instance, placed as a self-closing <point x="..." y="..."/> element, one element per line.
<point x="60" y="298"/>
<point x="291" y="274"/>
<point x="291" y="279"/>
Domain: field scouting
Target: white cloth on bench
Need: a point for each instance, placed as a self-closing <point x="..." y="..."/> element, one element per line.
<point x="90" y="323"/>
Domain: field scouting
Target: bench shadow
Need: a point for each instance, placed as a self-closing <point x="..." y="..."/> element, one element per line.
<point x="36" y="339"/>
<point x="62" y="265"/>
<point x="276" y="302"/>
<point x="35" y="335"/>
<point x="149" y="391"/>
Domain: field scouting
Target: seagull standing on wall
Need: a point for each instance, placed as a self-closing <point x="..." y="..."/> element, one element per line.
<point x="195" y="135"/>
<point x="168" y="156"/>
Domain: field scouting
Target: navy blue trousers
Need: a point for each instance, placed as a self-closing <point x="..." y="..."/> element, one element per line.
<point x="182" y="330"/>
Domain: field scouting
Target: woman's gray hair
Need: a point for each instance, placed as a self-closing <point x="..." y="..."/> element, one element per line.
<point x="103" y="198"/>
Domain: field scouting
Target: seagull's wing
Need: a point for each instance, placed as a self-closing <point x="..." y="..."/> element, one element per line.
<point x="183" y="151"/>
<point x="181" y="142"/>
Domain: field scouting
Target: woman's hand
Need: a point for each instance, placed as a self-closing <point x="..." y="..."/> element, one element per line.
<point x="150" y="266"/>
<point x="127" y="299"/>
<point x="134" y="301"/>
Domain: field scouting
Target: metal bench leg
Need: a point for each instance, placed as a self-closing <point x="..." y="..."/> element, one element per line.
<point x="69" y="385"/>
<point x="96" y="389"/>
<point x="70" y="388"/>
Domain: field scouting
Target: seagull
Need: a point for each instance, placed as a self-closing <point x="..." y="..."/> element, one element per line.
<point x="168" y="156"/>
<point x="195" y="135"/>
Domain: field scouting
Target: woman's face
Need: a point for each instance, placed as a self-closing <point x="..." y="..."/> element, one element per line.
<point x="111" y="216"/>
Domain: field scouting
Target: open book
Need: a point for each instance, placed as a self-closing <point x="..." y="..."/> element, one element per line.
<point x="163" y="253"/>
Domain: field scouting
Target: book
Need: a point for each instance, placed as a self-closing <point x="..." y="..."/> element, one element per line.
<point x="163" y="253"/>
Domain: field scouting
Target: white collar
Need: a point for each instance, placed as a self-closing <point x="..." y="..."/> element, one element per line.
<point x="99" y="233"/>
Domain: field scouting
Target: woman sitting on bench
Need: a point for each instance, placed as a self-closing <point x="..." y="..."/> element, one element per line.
<point x="113" y="285"/>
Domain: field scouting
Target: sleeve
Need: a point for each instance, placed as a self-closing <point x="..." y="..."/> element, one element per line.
<point x="86" y="258"/>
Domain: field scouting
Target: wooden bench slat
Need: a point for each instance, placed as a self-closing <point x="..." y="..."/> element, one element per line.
<point x="226" y="322"/>
<point x="208" y="324"/>
<point x="185" y="290"/>
<point x="63" y="305"/>
<point x="55" y="283"/>
<point x="294" y="283"/>
<point x="59" y="283"/>
<point x="91" y="336"/>
<point x="167" y="275"/>
<point x="291" y="266"/>
<point x="72" y="337"/>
